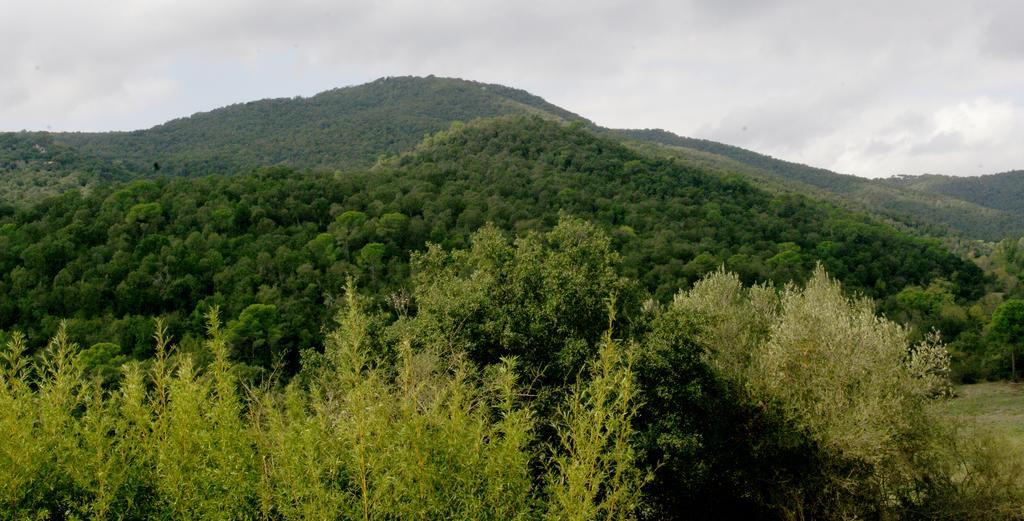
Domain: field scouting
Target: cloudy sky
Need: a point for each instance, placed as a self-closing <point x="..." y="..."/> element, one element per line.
<point x="871" y="88"/>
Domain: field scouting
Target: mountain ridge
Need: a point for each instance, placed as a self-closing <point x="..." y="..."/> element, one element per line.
<point x="354" y="127"/>
<point x="935" y="212"/>
<point x="1002" y="191"/>
<point x="347" y="127"/>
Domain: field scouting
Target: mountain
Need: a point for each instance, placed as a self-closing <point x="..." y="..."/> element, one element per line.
<point x="344" y="128"/>
<point x="479" y="325"/>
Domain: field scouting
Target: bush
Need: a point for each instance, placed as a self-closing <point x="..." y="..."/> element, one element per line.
<point x="429" y="436"/>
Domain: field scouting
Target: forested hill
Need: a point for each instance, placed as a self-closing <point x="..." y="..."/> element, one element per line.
<point x="937" y="205"/>
<point x="274" y="246"/>
<point x="343" y="128"/>
<point x="34" y="165"/>
<point x="1003" y="191"/>
<point x="817" y="177"/>
<point x="353" y="127"/>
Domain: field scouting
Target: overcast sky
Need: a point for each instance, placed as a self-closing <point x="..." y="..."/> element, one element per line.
<point x="871" y="88"/>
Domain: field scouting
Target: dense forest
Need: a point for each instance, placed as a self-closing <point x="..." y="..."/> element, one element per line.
<point x="428" y="298"/>
<point x="1003" y="191"/>
<point x="273" y="246"/>
<point x="515" y="382"/>
<point x="923" y="211"/>
<point x="353" y="127"/>
<point x="34" y="166"/>
<point x="343" y="128"/>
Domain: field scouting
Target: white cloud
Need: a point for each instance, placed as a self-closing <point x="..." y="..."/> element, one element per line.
<point x="823" y="82"/>
<point x="968" y="138"/>
<point x="979" y="122"/>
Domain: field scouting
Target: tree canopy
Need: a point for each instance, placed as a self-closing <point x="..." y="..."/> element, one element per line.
<point x="176" y="247"/>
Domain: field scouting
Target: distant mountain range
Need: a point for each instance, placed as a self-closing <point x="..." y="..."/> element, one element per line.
<point x="353" y="127"/>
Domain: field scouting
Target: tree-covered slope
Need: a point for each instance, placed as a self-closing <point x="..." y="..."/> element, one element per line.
<point x="932" y="208"/>
<point x="1003" y="191"/>
<point x="703" y="409"/>
<point x="353" y="127"/>
<point x="338" y="129"/>
<point x="273" y="247"/>
<point x="676" y="222"/>
<point x="33" y="165"/>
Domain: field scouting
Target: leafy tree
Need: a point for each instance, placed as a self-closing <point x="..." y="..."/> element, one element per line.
<point x="371" y="259"/>
<point x="1008" y="326"/>
<point x="103" y="361"/>
<point x="541" y="299"/>
<point x="256" y="335"/>
<point x="838" y="385"/>
<point x="143" y="213"/>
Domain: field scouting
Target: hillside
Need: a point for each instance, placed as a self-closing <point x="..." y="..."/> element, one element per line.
<point x="516" y="317"/>
<point x="354" y="127"/>
<point x="343" y="128"/>
<point x="1003" y="191"/>
<point x="288" y="239"/>
<point x="926" y="207"/>
<point x="33" y="165"/>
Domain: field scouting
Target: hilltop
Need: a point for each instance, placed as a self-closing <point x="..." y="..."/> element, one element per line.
<point x="342" y="128"/>
<point x="353" y="127"/>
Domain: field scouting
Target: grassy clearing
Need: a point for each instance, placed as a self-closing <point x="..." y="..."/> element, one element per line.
<point x="995" y="406"/>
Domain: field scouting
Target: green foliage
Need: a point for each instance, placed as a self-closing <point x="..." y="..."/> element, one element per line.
<point x="597" y="476"/>
<point x="985" y="208"/>
<point x="930" y="363"/>
<point x="1003" y="191"/>
<point x="1010" y="252"/>
<point x="103" y="361"/>
<point x="676" y="239"/>
<point x="33" y="166"/>
<point x="256" y="335"/>
<point x="143" y="213"/>
<point x="342" y="128"/>
<point x="429" y="437"/>
<point x="371" y="259"/>
<point x="110" y="260"/>
<point x="752" y="402"/>
<point x="354" y="127"/>
<point x="1008" y="322"/>
<point x="174" y="248"/>
<point x="1007" y="327"/>
<point x="541" y="298"/>
<point x="855" y="387"/>
<point x="485" y="377"/>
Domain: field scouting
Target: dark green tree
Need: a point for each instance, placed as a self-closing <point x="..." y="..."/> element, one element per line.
<point x="256" y="335"/>
<point x="1008" y="326"/>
